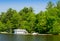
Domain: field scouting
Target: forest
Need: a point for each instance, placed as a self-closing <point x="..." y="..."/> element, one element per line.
<point x="44" y="22"/>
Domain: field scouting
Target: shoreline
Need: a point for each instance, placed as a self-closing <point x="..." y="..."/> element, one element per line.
<point x="24" y="34"/>
<point x="27" y="34"/>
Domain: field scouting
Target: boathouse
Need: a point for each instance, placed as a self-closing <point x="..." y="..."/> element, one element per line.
<point x="20" y="31"/>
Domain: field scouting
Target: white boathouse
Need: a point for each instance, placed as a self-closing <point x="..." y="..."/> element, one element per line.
<point x="20" y="31"/>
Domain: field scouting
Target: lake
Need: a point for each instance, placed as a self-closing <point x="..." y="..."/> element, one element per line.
<point x="10" y="37"/>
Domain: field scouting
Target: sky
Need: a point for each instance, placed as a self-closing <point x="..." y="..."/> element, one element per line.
<point x="37" y="5"/>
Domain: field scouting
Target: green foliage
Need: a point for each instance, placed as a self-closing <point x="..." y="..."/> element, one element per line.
<point x="47" y="22"/>
<point x="2" y="27"/>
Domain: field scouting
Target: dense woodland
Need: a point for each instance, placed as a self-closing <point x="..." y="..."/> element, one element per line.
<point x="45" y="22"/>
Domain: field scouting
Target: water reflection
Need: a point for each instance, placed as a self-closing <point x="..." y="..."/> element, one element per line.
<point x="6" y="37"/>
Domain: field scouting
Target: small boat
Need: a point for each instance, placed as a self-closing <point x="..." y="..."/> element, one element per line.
<point x="34" y="33"/>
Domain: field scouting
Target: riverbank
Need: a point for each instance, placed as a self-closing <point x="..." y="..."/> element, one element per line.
<point x="25" y="34"/>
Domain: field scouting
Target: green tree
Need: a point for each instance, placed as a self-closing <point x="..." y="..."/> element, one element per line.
<point x="9" y="26"/>
<point x="50" y="5"/>
<point x="2" y="27"/>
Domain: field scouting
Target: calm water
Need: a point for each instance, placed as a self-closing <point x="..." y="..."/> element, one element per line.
<point x="6" y="37"/>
